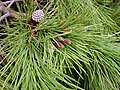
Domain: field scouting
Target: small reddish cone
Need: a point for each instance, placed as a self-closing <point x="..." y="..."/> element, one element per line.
<point x="60" y="39"/>
<point x="60" y="45"/>
<point x="68" y="31"/>
<point x="67" y="41"/>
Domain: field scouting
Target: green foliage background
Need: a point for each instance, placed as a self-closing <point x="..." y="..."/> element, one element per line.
<point x="91" y="62"/>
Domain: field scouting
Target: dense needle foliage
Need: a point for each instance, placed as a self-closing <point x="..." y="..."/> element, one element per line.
<point x="90" y="62"/>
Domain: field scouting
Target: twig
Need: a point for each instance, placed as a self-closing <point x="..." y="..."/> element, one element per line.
<point x="7" y="2"/>
<point x="4" y="16"/>
<point x="8" y="11"/>
<point x="11" y="12"/>
<point x="11" y="4"/>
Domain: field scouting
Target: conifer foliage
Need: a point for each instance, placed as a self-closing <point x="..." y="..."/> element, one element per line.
<point x="59" y="45"/>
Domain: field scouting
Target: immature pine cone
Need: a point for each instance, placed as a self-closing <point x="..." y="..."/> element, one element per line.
<point x="37" y="15"/>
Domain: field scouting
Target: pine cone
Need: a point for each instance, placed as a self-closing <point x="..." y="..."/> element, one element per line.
<point x="37" y="15"/>
<point x="67" y="41"/>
